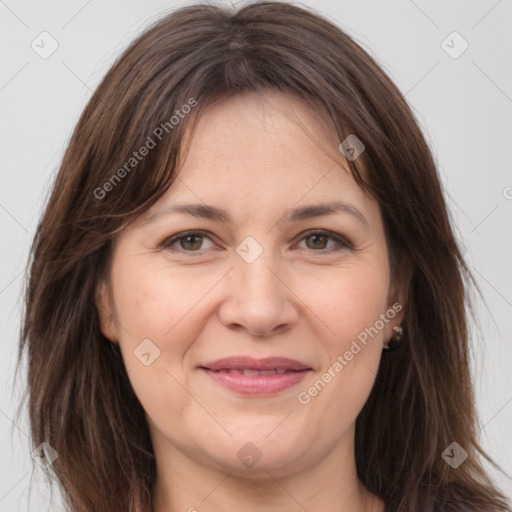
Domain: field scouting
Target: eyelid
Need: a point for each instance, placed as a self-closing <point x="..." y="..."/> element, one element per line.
<point x="342" y="241"/>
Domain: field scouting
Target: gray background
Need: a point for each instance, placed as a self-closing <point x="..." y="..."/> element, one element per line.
<point x="464" y="105"/>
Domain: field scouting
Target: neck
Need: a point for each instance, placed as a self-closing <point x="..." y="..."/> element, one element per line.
<point x="329" y="485"/>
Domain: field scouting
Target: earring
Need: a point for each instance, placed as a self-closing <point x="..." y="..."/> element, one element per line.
<point x="398" y="334"/>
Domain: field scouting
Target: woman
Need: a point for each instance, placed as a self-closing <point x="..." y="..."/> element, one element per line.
<point x="245" y="289"/>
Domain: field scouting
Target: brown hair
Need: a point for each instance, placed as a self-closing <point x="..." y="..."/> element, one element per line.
<point x="80" y="398"/>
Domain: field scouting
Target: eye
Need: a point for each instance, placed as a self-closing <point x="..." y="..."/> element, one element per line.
<point x="189" y="241"/>
<point x="316" y="241"/>
<point x="319" y="239"/>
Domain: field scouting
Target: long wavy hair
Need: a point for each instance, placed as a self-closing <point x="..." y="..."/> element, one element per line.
<point x="80" y="398"/>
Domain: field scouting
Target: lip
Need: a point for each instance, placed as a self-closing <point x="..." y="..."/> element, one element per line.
<point x="252" y="363"/>
<point x="228" y="373"/>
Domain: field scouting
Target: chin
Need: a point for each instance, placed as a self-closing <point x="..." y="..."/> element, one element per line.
<point x="258" y="452"/>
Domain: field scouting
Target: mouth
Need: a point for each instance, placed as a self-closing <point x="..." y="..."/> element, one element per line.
<point x="253" y="372"/>
<point x="250" y="376"/>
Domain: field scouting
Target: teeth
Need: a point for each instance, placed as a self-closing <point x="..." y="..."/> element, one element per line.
<point x="253" y="373"/>
<point x="267" y="372"/>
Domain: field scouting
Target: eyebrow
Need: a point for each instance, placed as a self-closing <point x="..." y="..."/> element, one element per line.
<point x="214" y="213"/>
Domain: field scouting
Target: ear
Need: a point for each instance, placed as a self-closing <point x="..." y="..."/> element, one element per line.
<point x="104" y="306"/>
<point x="397" y="298"/>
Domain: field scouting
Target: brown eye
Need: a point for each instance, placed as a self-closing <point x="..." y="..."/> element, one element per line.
<point x="192" y="242"/>
<point x="317" y="241"/>
<point x="187" y="242"/>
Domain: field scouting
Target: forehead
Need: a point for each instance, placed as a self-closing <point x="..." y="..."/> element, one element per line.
<point x="260" y="157"/>
<point x="271" y="140"/>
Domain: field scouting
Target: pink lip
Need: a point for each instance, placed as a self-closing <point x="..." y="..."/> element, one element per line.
<point x="236" y="381"/>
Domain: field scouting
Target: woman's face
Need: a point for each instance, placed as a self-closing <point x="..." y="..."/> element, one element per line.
<point x="253" y="284"/>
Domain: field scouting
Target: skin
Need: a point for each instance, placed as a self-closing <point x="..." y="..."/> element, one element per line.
<point x="295" y="300"/>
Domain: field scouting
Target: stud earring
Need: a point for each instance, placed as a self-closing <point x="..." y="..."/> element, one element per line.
<point x="398" y="334"/>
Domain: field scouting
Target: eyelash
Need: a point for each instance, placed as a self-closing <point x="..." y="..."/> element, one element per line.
<point x="343" y="242"/>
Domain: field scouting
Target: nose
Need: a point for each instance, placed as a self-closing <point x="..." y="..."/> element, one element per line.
<point x="258" y="301"/>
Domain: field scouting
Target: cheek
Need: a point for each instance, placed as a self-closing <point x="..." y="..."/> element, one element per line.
<point x="350" y="309"/>
<point x="157" y="305"/>
<point x="155" y="302"/>
<point x="152" y="304"/>
<point x="350" y="302"/>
